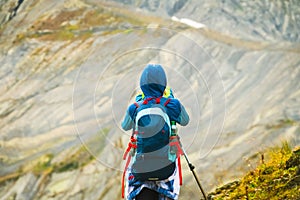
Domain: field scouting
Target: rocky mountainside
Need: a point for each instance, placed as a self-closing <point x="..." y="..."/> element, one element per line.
<point x="70" y="68"/>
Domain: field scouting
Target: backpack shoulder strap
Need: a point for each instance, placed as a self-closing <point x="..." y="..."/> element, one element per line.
<point x="136" y="104"/>
<point x="167" y="101"/>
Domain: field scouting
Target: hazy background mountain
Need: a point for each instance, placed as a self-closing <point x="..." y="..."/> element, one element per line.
<point x="69" y="69"/>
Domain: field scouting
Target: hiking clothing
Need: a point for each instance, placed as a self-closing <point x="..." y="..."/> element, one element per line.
<point x="168" y="188"/>
<point x="147" y="194"/>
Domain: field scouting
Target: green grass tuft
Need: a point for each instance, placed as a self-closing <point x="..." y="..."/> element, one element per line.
<point x="276" y="178"/>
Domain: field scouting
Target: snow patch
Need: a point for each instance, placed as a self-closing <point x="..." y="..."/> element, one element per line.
<point x="189" y="22"/>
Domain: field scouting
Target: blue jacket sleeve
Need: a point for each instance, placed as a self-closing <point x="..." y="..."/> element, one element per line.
<point x="177" y="112"/>
<point x="183" y="116"/>
<point x="128" y="121"/>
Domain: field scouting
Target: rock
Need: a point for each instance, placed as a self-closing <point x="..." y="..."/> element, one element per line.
<point x="75" y="4"/>
<point x="9" y="10"/>
<point x="60" y="183"/>
<point x="23" y="188"/>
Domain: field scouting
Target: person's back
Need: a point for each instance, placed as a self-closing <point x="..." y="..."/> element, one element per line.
<point x="153" y="83"/>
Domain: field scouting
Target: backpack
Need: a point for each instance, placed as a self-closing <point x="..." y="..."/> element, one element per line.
<point x="152" y="130"/>
<point x="151" y="142"/>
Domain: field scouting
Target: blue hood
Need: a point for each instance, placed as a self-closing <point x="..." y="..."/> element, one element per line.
<point x="153" y="80"/>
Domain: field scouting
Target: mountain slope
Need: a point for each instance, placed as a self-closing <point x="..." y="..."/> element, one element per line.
<point x="70" y="68"/>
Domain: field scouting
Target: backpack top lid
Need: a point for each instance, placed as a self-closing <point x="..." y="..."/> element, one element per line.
<point x="153" y="80"/>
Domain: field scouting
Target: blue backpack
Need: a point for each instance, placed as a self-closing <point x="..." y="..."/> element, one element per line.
<point x="152" y="160"/>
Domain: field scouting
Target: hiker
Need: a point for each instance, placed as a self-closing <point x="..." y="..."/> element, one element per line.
<point x="152" y="172"/>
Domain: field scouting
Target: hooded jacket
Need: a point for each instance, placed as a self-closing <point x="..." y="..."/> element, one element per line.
<point x="153" y="82"/>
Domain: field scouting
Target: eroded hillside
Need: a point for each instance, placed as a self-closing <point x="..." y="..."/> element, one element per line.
<point x="70" y="68"/>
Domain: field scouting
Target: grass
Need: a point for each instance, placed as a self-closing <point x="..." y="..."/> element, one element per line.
<point x="69" y="25"/>
<point x="273" y="179"/>
<point x="43" y="165"/>
<point x="82" y="23"/>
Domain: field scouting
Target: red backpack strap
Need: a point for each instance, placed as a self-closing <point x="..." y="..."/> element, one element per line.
<point x="131" y="144"/>
<point x="146" y="101"/>
<point x="167" y="101"/>
<point x="175" y="142"/>
<point x="179" y="170"/>
<point x="123" y="177"/>
<point x="157" y="100"/>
